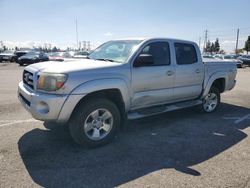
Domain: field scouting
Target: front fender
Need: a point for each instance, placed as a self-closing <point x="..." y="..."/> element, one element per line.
<point x="102" y="84"/>
<point x="91" y="86"/>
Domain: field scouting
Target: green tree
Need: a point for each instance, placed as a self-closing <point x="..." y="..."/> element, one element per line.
<point x="212" y="48"/>
<point x="216" y="45"/>
<point x="54" y="49"/>
<point x="247" y="45"/>
<point x="208" y="47"/>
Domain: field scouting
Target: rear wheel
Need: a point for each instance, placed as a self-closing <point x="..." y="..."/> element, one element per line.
<point x="211" y="101"/>
<point x="94" y="122"/>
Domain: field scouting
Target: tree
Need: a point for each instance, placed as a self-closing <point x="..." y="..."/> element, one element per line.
<point x="212" y="48"/>
<point x="54" y="49"/>
<point x="208" y="47"/>
<point x="247" y="45"/>
<point x="216" y="45"/>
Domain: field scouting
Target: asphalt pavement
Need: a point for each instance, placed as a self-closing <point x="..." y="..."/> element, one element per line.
<point x="184" y="148"/>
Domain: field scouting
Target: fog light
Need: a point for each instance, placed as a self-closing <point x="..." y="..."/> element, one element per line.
<point x="42" y="107"/>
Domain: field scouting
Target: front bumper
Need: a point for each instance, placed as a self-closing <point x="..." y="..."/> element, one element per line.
<point x="41" y="106"/>
<point x="27" y="61"/>
<point x="5" y="58"/>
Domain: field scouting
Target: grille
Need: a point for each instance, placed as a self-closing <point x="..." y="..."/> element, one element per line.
<point x="28" y="79"/>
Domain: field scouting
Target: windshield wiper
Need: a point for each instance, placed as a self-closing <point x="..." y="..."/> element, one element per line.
<point x="103" y="59"/>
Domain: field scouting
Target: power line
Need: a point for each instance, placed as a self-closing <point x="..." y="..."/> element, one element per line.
<point x="231" y="29"/>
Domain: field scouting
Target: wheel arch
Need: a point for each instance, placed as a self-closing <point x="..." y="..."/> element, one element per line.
<point x="112" y="89"/>
<point x="218" y="80"/>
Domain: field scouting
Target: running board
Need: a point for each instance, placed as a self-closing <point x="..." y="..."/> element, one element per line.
<point x="140" y="113"/>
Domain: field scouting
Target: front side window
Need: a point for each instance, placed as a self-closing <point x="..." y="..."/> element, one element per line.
<point x="185" y="53"/>
<point x="159" y="51"/>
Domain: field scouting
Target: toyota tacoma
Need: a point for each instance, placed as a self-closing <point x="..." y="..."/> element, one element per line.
<point x="123" y="79"/>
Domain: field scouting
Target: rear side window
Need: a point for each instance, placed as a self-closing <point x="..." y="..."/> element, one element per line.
<point x="160" y="52"/>
<point x="185" y="53"/>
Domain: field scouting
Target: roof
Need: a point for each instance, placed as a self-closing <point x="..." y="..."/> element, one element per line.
<point x="154" y="38"/>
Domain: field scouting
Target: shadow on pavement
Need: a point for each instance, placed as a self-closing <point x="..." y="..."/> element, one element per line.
<point x="174" y="140"/>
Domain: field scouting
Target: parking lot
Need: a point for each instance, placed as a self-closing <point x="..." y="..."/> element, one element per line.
<point x="184" y="148"/>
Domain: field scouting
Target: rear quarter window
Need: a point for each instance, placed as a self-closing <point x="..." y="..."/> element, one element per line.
<point x="185" y="53"/>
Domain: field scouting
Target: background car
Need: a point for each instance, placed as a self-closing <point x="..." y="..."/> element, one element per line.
<point x="218" y="56"/>
<point x="8" y="55"/>
<point x="59" y="56"/>
<point x="233" y="57"/>
<point x="81" y="54"/>
<point x="19" y="54"/>
<point x="245" y="59"/>
<point x="207" y="56"/>
<point x="32" y="57"/>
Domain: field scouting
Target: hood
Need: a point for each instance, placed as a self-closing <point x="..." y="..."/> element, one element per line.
<point x="72" y="65"/>
<point x="6" y="54"/>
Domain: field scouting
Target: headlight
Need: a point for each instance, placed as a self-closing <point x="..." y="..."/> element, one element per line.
<point x="51" y="81"/>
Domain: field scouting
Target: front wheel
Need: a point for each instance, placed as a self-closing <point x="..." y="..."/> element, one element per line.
<point x="12" y="59"/>
<point x="94" y="122"/>
<point x="211" y="101"/>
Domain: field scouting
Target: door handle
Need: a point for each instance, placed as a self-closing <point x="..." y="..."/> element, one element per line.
<point x="197" y="71"/>
<point x="169" y="73"/>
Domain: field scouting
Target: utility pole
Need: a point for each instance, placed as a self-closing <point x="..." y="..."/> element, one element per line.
<point x="200" y="42"/>
<point x="84" y="45"/>
<point x="205" y="40"/>
<point x="237" y="41"/>
<point x="76" y="35"/>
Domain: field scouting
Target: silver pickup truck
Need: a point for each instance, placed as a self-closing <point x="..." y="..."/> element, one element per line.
<point x="123" y="79"/>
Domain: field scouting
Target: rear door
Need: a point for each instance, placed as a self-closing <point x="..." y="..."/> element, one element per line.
<point x="189" y="71"/>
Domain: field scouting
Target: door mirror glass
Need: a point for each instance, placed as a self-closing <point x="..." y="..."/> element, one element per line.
<point x="144" y="60"/>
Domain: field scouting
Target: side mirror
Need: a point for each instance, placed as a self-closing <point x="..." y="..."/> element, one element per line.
<point x="144" y="60"/>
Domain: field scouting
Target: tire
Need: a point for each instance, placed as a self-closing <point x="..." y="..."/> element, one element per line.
<point x="86" y="123"/>
<point x="12" y="59"/>
<point x="212" y="101"/>
<point x="20" y="64"/>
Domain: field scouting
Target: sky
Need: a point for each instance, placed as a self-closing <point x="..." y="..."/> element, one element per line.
<point x="34" y="22"/>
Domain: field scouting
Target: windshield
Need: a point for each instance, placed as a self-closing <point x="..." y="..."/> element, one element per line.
<point x="246" y="56"/>
<point x="230" y="57"/>
<point x="8" y="52"/>
<point x="53" y="54"/>
<point x="81" y="53"/>
<point x="32" y="53"/>
<point x="65" y="54"/>
<point x="117" y="51"/>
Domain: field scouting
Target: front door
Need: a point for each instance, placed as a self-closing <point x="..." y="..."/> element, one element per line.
<point x="153" y="84"/>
